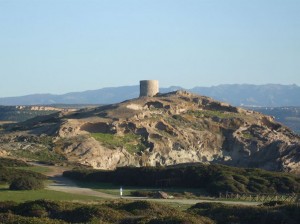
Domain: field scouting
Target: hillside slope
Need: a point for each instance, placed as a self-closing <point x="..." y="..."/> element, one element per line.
<point x="172" y="128"/>
<point x="22" y="113"/>
<point x="289" y="116"/>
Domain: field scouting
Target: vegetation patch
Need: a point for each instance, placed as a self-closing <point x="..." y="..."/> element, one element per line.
<point x="141" y="212"/>
<point x="8" y="162"/>
<point x="37" y="169"/>
<point x="20" y="179"/>
<point x="131" y="142"/>
<point x="42" y="155"/>
<point x="212" y="178"/>
<point x="25" y="195"/>
<point x="227" y="214"/>
<point x="179" y="121"/>
<point x="7" y="175"/>
<point x="145" y="212"/>
<point x="212" y="113"/>
<point x="46" y="141"/>
<point x="144" y="193"/>
<point x="247" y="135"/>
<point x="26" y="183"/>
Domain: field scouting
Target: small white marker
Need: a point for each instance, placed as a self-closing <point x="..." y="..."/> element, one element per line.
<point x="121" y="192"/>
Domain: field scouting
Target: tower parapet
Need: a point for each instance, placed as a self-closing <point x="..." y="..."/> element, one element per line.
<point x="148" y="88"/>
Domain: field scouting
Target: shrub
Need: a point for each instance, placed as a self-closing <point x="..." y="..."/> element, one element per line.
<point x="7" y="162"/>
<point x="226" y="214"/>
<point x="274" y="203"/>
<point x="142" y="194"/>
<point x="187" y="219"/>
<point x="26" y="183"/>
<point x="6" y="206"/>
<point x="39" y="208"/>
<point x="88" y="214"/>
<point x="16" y="219"/>
<point x="7" y="175"/>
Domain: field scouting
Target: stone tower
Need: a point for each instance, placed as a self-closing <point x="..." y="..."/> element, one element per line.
<point x="148" y="88"/>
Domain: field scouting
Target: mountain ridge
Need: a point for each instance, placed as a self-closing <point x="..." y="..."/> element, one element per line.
<point x="271" y="95"/>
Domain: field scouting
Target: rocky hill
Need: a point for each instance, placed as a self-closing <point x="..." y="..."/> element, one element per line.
<point x="172" y="128"/>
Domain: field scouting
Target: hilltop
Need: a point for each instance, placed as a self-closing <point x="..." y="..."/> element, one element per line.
<point x="169" y="129"/>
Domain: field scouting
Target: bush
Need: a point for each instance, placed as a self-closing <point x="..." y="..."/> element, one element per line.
<point x="7" y="175"/>
<point x="142" y="194"/>
<point x="39" y="208"/>
<point x="6" y="206"/>
<point x="26" y="183"/>
<point x="88" y="214"/>
<point x="185" y="219"/>
<point x="275" y="203"/>
<point x="7" y="162"/>
<point x="145" y="212"/>
<point x="266" y="213"/>
<point x="122" y="212"/>
<point x="16" y="219"/>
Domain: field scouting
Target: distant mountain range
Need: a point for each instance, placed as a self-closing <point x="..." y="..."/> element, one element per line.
<point x="270" y="95"/>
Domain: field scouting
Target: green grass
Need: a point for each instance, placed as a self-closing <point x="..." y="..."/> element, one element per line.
<point x="42" y="155"/>
<point x="22" y="196"/>
<point x="247" y="135"/>
<point x="37" y="169"/>
<point x="9" y="162"/>
<point x="46" y="140"/>
<point x="213" y="113"/>
<point x="131" y="142"/>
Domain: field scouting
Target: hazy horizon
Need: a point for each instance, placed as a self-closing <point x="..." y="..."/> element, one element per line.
<point x="79" y="91"/>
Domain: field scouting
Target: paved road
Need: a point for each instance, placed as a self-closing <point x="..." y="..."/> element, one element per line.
<point x="63" y="184"/>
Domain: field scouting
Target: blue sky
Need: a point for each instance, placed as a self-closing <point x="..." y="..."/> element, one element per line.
<point x="59" y="46"/>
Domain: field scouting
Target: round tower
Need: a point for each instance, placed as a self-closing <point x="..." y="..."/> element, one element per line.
<point x="148" y="88"/>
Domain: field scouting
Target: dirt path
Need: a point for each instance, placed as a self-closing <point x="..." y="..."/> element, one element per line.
<point x="63" y="184"/>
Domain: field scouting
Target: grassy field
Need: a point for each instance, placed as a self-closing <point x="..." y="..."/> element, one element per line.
<point x="37" y="169"/>
<point x="214" y="113"/>
<point x="22" y="196"/>
<point x="131" y="142"/>
<point x="110" y="188"/>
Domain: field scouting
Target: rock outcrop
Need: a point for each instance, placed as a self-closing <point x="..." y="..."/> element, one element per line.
<point x="172" y="128"/>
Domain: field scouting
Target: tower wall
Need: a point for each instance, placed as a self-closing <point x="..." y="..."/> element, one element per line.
<point x="148" y="88"/>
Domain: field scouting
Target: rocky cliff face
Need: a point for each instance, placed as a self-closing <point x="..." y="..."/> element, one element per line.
<point x="172" y="128"/>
